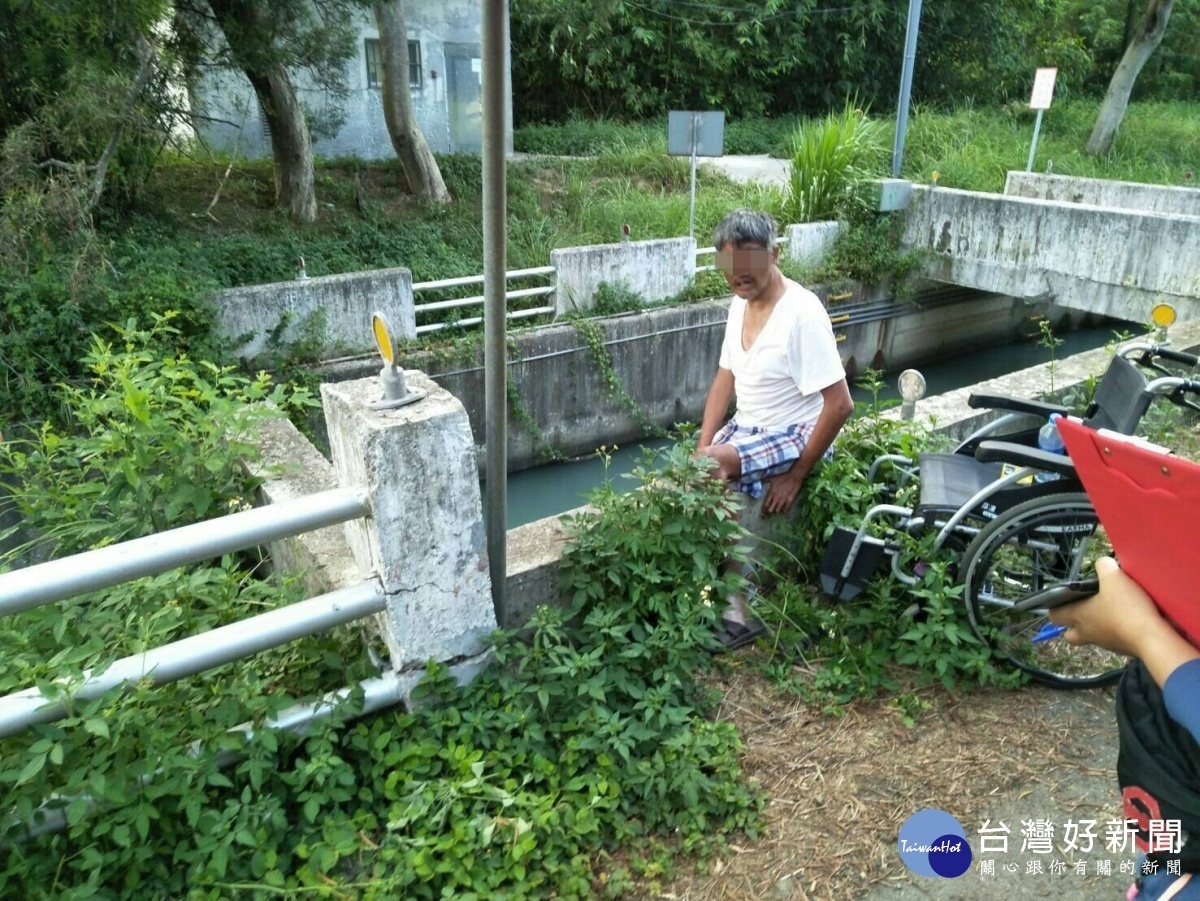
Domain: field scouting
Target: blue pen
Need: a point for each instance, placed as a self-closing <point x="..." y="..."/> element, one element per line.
<point x="1048" y="632"/>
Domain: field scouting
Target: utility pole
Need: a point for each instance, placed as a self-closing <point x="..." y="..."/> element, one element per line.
<point x="495" y="321"/>
<point x="910" y="61"/>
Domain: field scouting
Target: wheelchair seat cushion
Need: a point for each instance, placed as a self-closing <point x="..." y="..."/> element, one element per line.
<point x="950" y="480"/>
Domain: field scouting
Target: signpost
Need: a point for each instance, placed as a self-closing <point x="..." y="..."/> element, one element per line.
<point x="695" y="134"/>
<point x="1043" y="91"/>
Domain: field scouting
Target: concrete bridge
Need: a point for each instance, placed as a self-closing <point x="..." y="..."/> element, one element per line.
<point x="1113" y="248"/>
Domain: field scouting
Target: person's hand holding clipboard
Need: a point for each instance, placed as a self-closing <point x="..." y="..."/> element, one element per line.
<point x="1149" y="504"/>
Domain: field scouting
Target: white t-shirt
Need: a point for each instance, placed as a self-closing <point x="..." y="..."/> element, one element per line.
<point x="779" y="380"/>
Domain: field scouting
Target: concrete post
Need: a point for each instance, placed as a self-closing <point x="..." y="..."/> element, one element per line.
<point x="425" y="538"/>
<point x="338" y="304"/>
<point x="809" y="243"/>
<point x="654" y="270"/>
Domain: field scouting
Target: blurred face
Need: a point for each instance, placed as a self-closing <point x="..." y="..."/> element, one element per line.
<point x="748" y="269"/>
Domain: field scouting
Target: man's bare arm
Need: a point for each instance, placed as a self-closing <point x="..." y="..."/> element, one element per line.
<point x="837" y="409"/>
<point x="839" y="406"/>
<point x="720" y="395"/>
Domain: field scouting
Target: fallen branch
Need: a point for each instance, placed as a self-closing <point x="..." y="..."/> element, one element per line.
<point x="228" y="169"/>
<point x="60" y="164"/>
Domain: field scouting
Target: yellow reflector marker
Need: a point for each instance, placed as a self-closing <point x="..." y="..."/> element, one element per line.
<point x="383" y="338"/>
<point x="1163" y="315"/>
<point x="391" y="377"/>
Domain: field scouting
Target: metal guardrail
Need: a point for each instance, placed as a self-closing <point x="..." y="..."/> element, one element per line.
<point x="477" y="300"/>
<point x="57" y="580"/>
<point x="198" y="653"/>
<point x="515" y="294"/>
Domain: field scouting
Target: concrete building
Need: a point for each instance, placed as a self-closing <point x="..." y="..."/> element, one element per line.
<point x="445" y="72"/>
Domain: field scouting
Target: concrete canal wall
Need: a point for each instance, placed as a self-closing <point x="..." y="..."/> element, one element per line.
<point x="575" y="386"/>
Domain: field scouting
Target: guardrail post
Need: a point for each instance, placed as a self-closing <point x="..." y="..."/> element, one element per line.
<point x="654" y="270"/>
<point x="425" y="538"/>
<point x="332" y="307"/>
<point x="810" y="242"/>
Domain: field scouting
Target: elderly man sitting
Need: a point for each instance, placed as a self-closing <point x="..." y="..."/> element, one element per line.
<point x="780" y="359"/>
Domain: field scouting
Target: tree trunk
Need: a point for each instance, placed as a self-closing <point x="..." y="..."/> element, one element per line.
<point x="420" y="168"/>
<point x="291" y="145"/>
<point x="243" y="23"/>
<point x="1145" y="42"/>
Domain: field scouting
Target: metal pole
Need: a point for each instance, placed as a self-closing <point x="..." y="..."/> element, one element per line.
<point x="692" y="210"/>
<point x="1037" y="127"/>
<point x="910" y="61"/>
<point x="378" y="693"/>
<point x="57" y="580"/>
<point x="495" y="96"/>
<point x="198" y="653"/>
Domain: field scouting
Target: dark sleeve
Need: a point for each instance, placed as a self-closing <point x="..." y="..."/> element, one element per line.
<point x="1182" y="696"/>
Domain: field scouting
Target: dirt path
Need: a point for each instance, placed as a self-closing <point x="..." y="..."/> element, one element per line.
<point x="752" y="168"/>
<point x="742" y="169"/>
<point x="841" y="787"/>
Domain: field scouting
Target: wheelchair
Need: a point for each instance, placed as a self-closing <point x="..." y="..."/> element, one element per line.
<point x="1015" y="515"/>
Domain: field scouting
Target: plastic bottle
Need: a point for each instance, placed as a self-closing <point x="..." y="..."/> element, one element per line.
<point x="1050" y="441"/>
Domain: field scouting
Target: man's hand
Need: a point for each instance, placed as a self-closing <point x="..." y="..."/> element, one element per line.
<point x="783" y="491"/>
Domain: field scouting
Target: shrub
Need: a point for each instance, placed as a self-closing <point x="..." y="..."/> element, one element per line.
<point x="829" y="159"/>
<point x="136" y="773"/>
<point x="156" y="441"/>
<point x="867" y="249"/>
<point x="582" y="738"/>
<point x="892" y="634"/>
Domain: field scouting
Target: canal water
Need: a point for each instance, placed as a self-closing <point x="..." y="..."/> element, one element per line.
<point x="556" y="487"/>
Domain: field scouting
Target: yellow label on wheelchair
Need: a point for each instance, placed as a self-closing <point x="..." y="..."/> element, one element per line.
<point x="1008" y="469"/>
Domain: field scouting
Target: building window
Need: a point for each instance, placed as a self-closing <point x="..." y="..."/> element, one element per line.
<point x="375" y="63"/>
<point x="262" y="118"/>
<point x="414" y="63"/>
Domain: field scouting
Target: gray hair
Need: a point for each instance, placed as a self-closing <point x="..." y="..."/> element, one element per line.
<point x="742" y="227"/>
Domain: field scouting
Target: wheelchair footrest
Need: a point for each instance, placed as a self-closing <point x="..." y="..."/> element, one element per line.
<point x="866" y="564"/>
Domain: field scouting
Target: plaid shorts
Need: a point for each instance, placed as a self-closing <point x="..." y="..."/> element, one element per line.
<point x="764" y="452"/>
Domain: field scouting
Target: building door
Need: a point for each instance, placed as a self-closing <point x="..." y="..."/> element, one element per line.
<point x="465" y="74"/>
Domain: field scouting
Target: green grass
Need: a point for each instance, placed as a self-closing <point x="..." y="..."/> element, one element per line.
<point x="1158" y="143"/>
<point x="579" y="137"/>
<point x="971" y="148"/>
<point x="551" y="203"/>
<point x="628" y="179"/>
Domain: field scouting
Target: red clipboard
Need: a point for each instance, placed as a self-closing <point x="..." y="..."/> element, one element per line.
<point x="1149" y="504"/>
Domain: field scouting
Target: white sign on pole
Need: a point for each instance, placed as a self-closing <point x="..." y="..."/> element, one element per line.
<point x="696" y="134"/>
<point x="1043" y="88"/>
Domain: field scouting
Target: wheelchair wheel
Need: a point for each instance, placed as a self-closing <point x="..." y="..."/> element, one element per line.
<point x="1032" y="547"/>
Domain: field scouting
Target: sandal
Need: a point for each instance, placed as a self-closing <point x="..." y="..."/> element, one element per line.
<point x="736" y="635"/>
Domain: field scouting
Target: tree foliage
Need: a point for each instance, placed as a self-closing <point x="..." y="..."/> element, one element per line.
<point x="638" y="58"/>
<point x="1107" y="27"/>
<point x="85" y="96"/>
<point x="92" y="93"/>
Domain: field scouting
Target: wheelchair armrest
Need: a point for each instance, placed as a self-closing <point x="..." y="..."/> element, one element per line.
<point x="1021" y="455"/>
<point x="1015" y="404"/>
